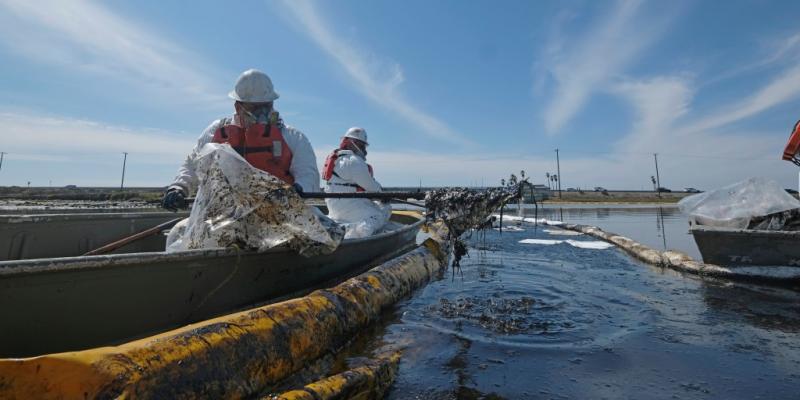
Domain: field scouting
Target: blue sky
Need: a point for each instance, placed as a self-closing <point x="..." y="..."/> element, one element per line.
<point x="450" y="92"/>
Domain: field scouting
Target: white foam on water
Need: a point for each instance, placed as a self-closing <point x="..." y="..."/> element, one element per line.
<point x="562" y="232"/>
<point x="581" y="244"/>
<point x="591" y="244"/>
<point x="546" y="242"/>
<point x="511" y="228"/>
<point x="542" y="221"/>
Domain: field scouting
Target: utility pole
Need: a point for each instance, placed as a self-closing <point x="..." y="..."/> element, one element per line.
<point x="2" y="153"/>
<point x="558" y="174"/>
<point x="124" y="161"/>
<point x="658" y="179"/>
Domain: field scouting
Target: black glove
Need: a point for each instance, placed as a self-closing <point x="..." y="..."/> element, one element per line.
<point x="297" y="188"/>
<point x="174" y="199"/>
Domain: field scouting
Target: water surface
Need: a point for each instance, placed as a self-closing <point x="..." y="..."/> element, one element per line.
<point x="659" y="227"/>
<point x="521" y="321"/>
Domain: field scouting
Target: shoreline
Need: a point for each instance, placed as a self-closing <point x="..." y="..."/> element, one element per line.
<point x="153" y="195"/>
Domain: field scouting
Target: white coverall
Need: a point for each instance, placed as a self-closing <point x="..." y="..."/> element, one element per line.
<point x="361" y="217"/>
<point x="303" y="167"/>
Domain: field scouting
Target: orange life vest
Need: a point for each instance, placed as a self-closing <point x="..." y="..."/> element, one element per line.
<point x="328" y="173"/>
<point x="793" y="145"/>
<point x="261" y="145"/>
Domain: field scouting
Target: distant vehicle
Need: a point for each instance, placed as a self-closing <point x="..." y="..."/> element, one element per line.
<point x="572" y="190"/>
<point x="664" y="190"/>
<point x="70" y="187"/>
<point x="692" y="190"/>
<point x="599" y="189"/>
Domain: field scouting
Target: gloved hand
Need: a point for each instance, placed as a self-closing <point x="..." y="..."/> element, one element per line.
<point x="297" y="188"/>
<point x="174" y="199"/>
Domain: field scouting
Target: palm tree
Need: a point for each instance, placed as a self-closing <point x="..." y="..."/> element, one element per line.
<point x="547" y="174"/>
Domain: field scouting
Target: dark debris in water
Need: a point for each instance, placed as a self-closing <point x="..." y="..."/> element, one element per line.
<point x="499" y="315"/>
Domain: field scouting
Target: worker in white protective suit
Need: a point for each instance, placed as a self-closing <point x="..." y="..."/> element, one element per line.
<point x="346" y="171"/>
<point x="257" y="133"/>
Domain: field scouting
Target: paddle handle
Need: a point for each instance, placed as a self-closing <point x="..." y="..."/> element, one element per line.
<point x="365" y="195"/>
<point x="143" y="234"/>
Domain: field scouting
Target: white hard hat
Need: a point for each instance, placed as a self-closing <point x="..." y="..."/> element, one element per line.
<point x="253" y="86"/>
<point x="357" y="133"/>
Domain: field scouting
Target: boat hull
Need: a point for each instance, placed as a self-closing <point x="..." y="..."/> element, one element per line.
<point x="747" y="248"/>
<point x="70" y="235"/>
<point x="64" y="304"/>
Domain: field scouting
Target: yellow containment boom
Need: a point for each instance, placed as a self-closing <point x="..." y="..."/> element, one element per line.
<point x="366" y="382"/>
<point x="234" y="356"/>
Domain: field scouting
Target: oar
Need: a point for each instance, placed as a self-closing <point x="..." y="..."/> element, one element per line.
<point x="408" y="202"/>
<point x="365" y="195"/>
<point x="143" y="234"/>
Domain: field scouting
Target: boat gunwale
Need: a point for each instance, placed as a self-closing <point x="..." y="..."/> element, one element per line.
<point x="763" y="232"/>
<point x="22" y="218"/>
<point x="69" y="264"/>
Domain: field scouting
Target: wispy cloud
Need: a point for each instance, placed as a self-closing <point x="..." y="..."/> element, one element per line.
<point x="691" y="153"/>
<point x="775" y="50"/>
<point x="582" y="66"/>
<point x="378" y="84"/>
<point x="55" y="137"/>
<point x="91" y="38"/>
<point x="659" y="103"/>
<point x="786" y="86"/>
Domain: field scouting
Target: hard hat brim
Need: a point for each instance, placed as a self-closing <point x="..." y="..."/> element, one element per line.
<point x="356" y="138"/>
<point x="232" y="94"/>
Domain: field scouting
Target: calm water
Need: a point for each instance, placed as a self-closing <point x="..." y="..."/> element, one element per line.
<point x="661" y="228"/>
<point x="555" y="321"/>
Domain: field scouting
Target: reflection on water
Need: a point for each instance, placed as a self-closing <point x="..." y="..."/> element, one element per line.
<point x="556" y="321"/>
<point x="662" y="228"/>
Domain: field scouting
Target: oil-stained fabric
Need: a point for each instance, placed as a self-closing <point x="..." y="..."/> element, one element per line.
<point x="303" y="167"/>
<point x="361" y="217"/>
<point x="239" y="205"/>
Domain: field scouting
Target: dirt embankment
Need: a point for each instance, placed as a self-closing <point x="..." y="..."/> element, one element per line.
<point x="154" y="194"/>
<point x="81" y="193"/>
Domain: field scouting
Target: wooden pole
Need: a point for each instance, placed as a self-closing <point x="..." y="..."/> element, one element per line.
<point x="132" y="238"/>
<point x="124" y="161"/>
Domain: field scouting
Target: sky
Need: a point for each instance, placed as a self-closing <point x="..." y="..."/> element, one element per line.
<point x="451" y="93"/>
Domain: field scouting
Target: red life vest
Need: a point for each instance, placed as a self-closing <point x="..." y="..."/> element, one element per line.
<point x="330" y="164"/>
<point x="793" y="145"/>
<point x="261" y="145"/>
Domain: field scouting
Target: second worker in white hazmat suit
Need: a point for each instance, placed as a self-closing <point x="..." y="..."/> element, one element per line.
<point x="346" y="171"/>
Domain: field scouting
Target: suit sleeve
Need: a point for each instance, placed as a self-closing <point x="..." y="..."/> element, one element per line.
<point x="356" y="171"/>
<point x="186" y="178"/>
<point x="304" y="161"/>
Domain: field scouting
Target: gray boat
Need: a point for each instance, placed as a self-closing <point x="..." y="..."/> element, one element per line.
<point x="54" y="300"/>
<point x="747" y="248"/>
